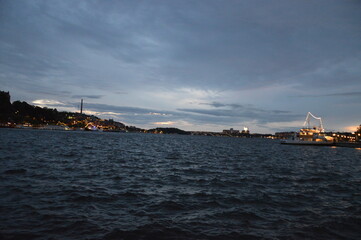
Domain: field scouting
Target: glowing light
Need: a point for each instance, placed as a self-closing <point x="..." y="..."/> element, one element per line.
<point x="351" y="128"/>
<point x="164" y="123"/>
<point x="42" y="102"/>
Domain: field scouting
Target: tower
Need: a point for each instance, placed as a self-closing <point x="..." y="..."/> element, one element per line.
<point x="81" y="106"/>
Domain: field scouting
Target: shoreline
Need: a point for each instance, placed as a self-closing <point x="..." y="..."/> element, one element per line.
<point x="356" y="145"/>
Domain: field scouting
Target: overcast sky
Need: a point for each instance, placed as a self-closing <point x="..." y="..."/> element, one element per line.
<point x="195" y="65"/>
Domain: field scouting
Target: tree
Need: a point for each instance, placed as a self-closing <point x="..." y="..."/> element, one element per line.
<point x="5" y="106"/>
<point x="358" y="129"/>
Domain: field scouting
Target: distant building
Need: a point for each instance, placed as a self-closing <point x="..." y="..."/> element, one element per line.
<point x="237" y="133"/>
<point x="231" y="131"/>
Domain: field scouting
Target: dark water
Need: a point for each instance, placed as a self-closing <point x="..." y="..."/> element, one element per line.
<point x="82" y="185"/>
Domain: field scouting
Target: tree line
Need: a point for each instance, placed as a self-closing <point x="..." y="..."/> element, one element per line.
<point x="20" y="112"/>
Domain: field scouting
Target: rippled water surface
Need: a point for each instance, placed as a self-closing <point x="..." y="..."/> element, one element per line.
<point x="85" y="185"/>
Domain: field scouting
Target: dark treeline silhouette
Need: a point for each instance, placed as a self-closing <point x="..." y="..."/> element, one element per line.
<point x="6" y="108"/>
<point x="168" y="131"/>
<point x="20" y="112"/>
<point x="358" y="129"/>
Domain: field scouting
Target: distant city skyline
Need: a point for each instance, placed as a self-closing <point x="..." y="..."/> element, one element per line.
<point x="204" y="65"/>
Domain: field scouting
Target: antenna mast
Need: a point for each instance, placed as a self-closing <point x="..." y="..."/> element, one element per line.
<point x="81" y="106"/>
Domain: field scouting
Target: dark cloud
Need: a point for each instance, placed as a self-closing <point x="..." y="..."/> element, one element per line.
<point x="217" y="112"/>
<point x="121" y="92"/>
<point x="280" y="111"/>
<point x="199" y="116"/>
<point x="244" y="114"/>
<point x="342" y="94"/>
<point x="88" y="96"/>
<point x="348" y="94"/>
<point x="121" y="109"/>
<point x="218" y="105"/>
<point x="129" y="49"/>
<point x="234" y="107"/>
<point x="234" y="44"/>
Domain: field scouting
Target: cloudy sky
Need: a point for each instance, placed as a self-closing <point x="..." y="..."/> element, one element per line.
<point x="195" y="65"/>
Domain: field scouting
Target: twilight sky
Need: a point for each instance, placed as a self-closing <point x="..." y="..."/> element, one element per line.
<point x="196" y="65"/>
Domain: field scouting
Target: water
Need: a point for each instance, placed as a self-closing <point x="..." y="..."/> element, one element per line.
<point x="85" y="185"/>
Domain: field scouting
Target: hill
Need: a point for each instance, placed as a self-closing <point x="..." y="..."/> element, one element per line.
<point x="23" y="113"/>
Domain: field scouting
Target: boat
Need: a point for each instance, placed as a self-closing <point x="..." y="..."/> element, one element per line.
<point x="310" y="135"/>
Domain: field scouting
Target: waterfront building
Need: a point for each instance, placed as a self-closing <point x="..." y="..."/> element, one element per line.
<point x="231" y="131"/>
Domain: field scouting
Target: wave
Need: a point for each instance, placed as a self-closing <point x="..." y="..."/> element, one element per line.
<point x="163" y="232"/>
<point x="143" y="186"/>
<point x="15" y="171"/>
<point x="339" y="228"/>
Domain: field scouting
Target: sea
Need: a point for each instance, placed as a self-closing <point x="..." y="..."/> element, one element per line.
<point x="97" y="185"/>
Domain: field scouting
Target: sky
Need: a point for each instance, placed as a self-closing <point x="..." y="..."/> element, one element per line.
<point x="204" y="65"/>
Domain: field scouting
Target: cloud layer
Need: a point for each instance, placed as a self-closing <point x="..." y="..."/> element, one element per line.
<point x="228" y="63"/>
